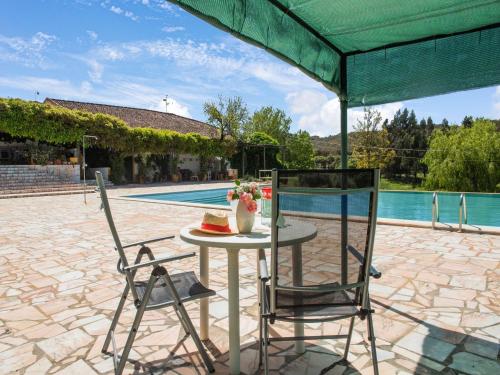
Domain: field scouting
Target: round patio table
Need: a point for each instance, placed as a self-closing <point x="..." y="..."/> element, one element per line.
<point x="293" y="234"/>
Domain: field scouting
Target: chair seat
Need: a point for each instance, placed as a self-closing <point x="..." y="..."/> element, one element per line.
<point x="187" y="285"/>
<point x="299" y="305"/>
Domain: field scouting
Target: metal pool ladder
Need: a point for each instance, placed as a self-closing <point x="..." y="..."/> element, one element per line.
<point x="462" y="211"/>
<point x="435" y="209"/>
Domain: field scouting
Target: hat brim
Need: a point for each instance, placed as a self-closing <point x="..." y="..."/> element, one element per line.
<point x="216" y="232"/>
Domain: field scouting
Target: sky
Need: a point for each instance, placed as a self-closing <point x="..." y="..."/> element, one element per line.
<point x="134" y="52"/>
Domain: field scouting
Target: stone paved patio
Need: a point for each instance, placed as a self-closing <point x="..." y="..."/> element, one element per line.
<point x="437" y="304"/>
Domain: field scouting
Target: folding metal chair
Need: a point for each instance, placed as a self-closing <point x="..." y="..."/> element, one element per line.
<point x="327" y="278"/>
<point x="161" y="290"/>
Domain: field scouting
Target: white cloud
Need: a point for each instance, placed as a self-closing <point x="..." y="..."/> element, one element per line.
<point x="280" y="76"/>
<point x="320" y="115"/>
<point x="46" y="86"/>
<point x="95" y="71"/>
<point x="86" y="87"/>
<point x="126" y="13"/>
<point x="218" y="61"/>
<point x="27" y="51"/>
<point x="108" y="53"/>
<point x="173" y="107"/>
<point x="92" y="34"/>
<point x="172" y="29"/>
<point x="131" y="15"/>
<point x="116" y="10"/>
<point x="166" y="6"/>
<point x="118" y="92"/>
<point x="496" y="102"/>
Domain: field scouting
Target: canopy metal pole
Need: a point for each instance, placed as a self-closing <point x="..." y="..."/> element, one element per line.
<point x="344" y="164"/>
<point x="343" y="112"/>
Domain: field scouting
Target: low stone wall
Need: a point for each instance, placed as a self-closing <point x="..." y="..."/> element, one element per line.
<point x="64" y="172"/>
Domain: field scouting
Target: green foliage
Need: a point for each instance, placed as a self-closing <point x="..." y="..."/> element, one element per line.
<point x="56" y="125"/>
<point x="117" y="169"/>
<point x="371" y="147"/>
<point x="467" y="121"/>
<point x="464" y="159"/>
<point x="39" y="153"/>
<point x="228" y="115"/>
<point x="386" y="184"/>
<point x="254" y="155"/>
<point x="299" y="152"/>
<point x="272" y="121"/>
<point x="327" y="161"/>
<point x="405" y="136"/>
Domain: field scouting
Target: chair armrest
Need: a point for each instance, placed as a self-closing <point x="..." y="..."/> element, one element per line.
<point x="155" y="262"/>
<point x="151" y="240"/>
<point x="264" y="273"/>
<point x="373" y="271"/>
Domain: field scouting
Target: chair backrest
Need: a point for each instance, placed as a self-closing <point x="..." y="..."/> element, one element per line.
<point x="342" y="205"/>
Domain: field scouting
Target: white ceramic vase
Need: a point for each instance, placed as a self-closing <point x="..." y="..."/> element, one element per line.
<point x="244" y="218"/>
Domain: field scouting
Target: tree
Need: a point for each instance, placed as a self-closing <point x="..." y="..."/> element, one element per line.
<point x="371" y="148"/>
<point x="403" y="137"/>
<point x="429" y="127"/>
<point x="467" y="121"/>
<point x="272" y="121"/>
<point x="228" y="115"/>
<point x="445" y="125"/>
<point x="254" y="154"/>
<point x="465" y="159"/>
<point x="299" y="151"/>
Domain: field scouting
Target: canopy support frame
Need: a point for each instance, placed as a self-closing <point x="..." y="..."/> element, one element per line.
<point x="344" y="164"/>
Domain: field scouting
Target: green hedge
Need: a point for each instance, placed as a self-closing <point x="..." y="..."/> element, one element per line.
<point x="55" y="125"/>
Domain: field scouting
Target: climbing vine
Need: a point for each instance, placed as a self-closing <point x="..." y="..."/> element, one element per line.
<point x="55" y="125"/>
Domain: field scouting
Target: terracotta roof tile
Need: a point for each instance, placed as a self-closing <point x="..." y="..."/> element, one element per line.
<point x="138" y="117"/>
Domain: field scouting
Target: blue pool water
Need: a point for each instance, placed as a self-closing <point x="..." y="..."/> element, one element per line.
<point x="482" y="209"/>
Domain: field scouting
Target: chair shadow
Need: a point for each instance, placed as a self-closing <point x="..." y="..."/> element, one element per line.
<point x="175" y="362"/>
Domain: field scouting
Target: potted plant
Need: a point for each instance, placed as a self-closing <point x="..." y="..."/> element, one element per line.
<point x="175" y="176"/>
<point x="246" y="195"/>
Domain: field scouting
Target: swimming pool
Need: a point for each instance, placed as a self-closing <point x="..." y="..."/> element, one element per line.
<point x="482" y="209"/>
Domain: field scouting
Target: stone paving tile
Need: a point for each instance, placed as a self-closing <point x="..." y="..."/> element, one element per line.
<point x="436" y="304"/>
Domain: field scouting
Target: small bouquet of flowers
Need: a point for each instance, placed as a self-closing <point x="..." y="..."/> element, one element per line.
<point x="247" y="193"/>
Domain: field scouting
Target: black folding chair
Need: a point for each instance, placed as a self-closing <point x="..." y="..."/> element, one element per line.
<point x="327" y="278"/>
<point x="161" y="290"/>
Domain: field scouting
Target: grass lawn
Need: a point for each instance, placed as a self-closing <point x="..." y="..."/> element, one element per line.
<point x="386" y="184"/>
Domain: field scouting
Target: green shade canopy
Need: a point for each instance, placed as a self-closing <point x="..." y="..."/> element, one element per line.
<point x="372" y="51"/>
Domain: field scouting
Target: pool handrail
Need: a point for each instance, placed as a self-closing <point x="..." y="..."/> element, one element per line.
<point x="435" y="209"/>
<point x="462" y="211"/>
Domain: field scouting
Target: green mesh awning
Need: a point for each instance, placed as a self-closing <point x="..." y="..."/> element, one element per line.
<point x="375" y="51"/>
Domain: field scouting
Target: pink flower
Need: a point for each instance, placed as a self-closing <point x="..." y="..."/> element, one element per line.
<point x="229" y="196"/>
<point x="245" y="197"/>
<point x="251" y="206"/>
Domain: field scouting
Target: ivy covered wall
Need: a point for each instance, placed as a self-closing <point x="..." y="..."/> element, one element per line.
<point x="55" y="125"/>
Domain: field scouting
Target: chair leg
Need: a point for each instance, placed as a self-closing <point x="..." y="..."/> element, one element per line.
<point x="260" y="340"/>
<point x="135" y="325"/>
<point x="199" y="345"/>
<point x="183" y="323"/>
<point x="266" y="344"/>
<point x="371" y="337"/>
<point x="349" y="335"/>
<point x="118" y="312"/>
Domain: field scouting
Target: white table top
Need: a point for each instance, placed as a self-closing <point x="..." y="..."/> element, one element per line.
<point x="295" y="232"/>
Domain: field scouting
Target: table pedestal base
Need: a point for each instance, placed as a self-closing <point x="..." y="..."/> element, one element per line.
<point x="233" y="279"/>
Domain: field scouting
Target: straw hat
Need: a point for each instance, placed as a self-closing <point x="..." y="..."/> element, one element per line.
<point x="216" y="223"/>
